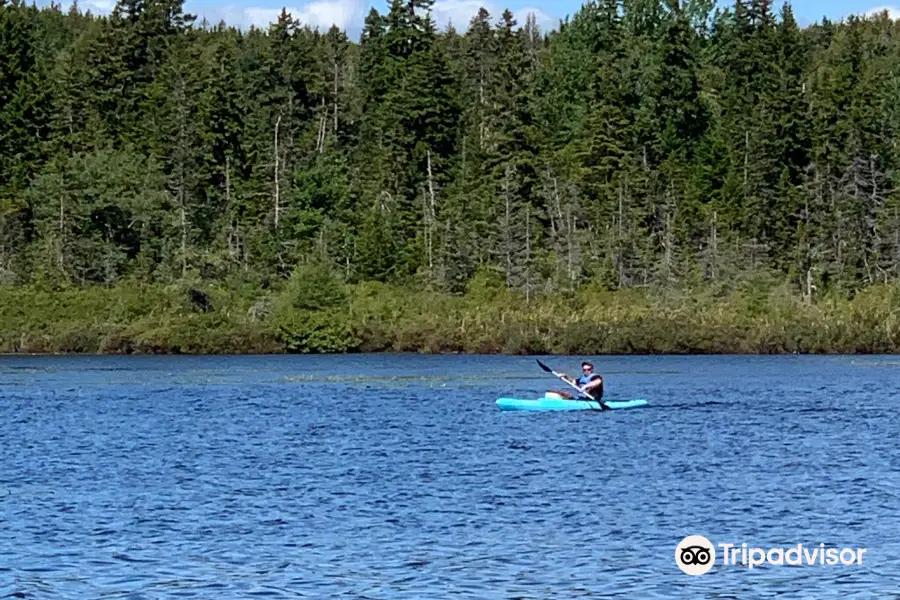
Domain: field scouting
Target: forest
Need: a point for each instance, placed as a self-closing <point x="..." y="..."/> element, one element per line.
<point x="648" y="176"/>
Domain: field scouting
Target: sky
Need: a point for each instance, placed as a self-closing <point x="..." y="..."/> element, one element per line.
<point x="349" y="14"/>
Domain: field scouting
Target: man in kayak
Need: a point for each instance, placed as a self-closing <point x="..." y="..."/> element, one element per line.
<point x="591" y="383"/>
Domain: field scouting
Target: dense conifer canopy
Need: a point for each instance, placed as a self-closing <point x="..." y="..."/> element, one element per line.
<point x="644" y="142"/>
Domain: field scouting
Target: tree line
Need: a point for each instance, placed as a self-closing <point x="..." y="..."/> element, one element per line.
<point x="641" y="143"/>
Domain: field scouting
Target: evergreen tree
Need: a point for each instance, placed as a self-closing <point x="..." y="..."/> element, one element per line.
<point x="639" y="143"/>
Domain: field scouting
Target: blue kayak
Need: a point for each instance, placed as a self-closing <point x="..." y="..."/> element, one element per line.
<point x="556" y="403"/>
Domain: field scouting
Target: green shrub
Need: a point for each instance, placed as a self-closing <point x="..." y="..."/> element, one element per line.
<point x="314" y="287"/>
<point x="315" y="312"/>
<point x="318" y="332"/>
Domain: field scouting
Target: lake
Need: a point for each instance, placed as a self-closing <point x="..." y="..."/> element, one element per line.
<point x="396" y="476"/>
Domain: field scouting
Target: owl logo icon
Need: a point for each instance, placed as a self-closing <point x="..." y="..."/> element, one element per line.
<point x="695" y="555"/>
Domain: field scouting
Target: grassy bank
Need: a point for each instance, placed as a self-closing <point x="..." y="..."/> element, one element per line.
<point x="314" y="313"/>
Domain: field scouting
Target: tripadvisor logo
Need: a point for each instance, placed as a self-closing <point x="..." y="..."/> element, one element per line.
<point x="696" y="555"/>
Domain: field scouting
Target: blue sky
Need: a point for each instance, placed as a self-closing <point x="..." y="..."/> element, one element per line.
<point x="348" y="14"/>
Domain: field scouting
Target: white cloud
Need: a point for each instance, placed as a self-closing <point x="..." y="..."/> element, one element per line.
<point x="460" y="12"/>
<point x="322" y="14"/>
<point x="346" y="14"/>
<point x="349" y="14"/>
<point x="893" y="11"/>
<point x="95" y="7"/>
<point x="543" y="20"/>
<point x="100" y="7"/>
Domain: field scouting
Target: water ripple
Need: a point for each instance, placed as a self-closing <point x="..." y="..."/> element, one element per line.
<point x="396" y="477"/>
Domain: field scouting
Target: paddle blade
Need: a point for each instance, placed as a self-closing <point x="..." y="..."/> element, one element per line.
<point x="544" y="367"/>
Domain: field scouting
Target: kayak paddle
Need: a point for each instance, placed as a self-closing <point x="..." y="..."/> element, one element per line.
<point x="563" y="377"/>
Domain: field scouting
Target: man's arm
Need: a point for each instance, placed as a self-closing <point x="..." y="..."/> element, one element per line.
<point x="593" y="384"/>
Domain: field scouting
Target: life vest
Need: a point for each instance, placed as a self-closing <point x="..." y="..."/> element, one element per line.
<point x="585" y="379"/>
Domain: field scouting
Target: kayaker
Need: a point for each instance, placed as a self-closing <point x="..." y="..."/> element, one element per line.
<point x="589" y="382"/>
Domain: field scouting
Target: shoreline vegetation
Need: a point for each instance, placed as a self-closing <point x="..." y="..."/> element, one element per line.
<point x="316" y="313"/>
<point x="641" y="177"/>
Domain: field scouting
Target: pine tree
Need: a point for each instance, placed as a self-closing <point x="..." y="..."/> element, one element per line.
<point x="100" y="216"/>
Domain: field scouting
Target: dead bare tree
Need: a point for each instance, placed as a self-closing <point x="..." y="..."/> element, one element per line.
<point x="277" y="174"/>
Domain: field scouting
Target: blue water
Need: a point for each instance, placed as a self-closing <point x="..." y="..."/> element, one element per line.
<point x="397" y="477"/>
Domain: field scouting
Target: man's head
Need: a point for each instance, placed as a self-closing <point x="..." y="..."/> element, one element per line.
<point x="587" y="367"/>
